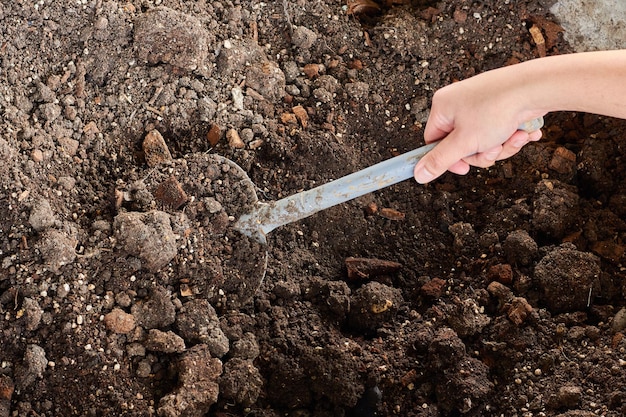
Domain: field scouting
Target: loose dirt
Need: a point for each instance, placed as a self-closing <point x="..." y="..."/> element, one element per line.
<point x="125" y="291"/>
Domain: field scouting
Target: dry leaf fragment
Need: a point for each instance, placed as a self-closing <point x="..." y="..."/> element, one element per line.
<point x="364" y="268"/>
<point x="391" y="214"/>
<point x="301" y="115"/>
<point x="539" y="40"/>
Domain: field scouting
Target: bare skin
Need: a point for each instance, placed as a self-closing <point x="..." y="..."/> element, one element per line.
<point x="476" y="119"/>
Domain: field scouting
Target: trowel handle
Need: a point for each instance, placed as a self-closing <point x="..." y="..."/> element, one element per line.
<point x="267" y="217"/>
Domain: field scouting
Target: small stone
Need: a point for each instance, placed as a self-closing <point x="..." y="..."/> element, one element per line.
<point x="214" y="134"/>
<point x="166" y="342"/>
<point x="171" y="193"/>
<point x="155" y="149"/>
<point x="118" y="321"/>
<point x="36" y="155"/>
<point x="619" y="321"/>
<point x="234" y="140"/>
<point x="303" y="37"/>
<point x="69" y="146"/>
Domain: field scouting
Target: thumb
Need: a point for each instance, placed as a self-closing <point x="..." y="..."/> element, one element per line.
<point x="443" y="156"/>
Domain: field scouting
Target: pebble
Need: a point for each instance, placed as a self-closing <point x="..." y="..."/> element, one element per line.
<point x="303" y="37"/>
<point x="234" y="140"/>
<point x="155" y="149"/>
<point x="170" y="193"/>
<point x="69" y="146"/>
<point x="118" y="321"/>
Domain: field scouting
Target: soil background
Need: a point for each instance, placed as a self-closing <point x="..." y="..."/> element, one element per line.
<point x="124" y="290"/>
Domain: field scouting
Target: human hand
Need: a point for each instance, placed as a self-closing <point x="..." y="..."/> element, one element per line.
<point x="477" y="122"/>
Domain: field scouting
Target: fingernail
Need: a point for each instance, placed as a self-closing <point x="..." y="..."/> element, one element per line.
<point x="423" y="175"/>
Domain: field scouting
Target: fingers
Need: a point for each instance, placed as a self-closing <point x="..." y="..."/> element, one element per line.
<point x="447" y="154"/>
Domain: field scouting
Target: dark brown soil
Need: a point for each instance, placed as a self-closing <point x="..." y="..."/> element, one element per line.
<point x="125" y="291"/>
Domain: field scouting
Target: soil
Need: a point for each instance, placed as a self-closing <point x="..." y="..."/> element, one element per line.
<point x="125" y="291"/>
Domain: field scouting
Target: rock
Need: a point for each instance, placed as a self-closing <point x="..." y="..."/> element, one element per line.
<point x="148" y="236"/>
<point x="166" y="342"/>
<point x="69" y="146"/>
<point x="32" y="366"/>
<point x="57" y="249"/>
<point x="41" y="215"/>
<point x="155" y="149"/>
<point x="619" y="321"/>
<point x="372" y="305"/>
<point x="565" y="276"/>
<point x="520" y="248"/>
<point x="555" y="208"/>
<point x="170" y="193"/>
<point x="302" y="37"/>
<point x="157" y="311"/>
<point x="50" y="111"/>
<point x="198" y="376"/>
<point x="241" y="382"/>
<point x="267" y="79"/>
<point x="234" y="140"/>
<point x="197" y="322"/>
<point x="32" y="313"/>
<point x="163" y="35"/>
<point x="118" y="321"/>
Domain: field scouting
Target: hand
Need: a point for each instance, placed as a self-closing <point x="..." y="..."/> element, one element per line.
<point x="477" y="122"/>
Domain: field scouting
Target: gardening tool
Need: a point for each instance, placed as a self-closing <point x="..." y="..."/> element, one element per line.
<point x="266" y="217"/>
